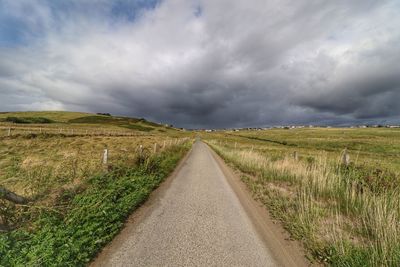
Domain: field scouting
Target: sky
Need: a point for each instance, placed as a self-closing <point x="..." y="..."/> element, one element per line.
<point x="205" y="63"/>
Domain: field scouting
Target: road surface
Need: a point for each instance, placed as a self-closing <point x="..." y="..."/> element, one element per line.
<point x="198" y="221"/>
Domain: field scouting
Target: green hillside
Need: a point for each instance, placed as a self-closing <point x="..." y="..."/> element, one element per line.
<point x="80" y="119"/>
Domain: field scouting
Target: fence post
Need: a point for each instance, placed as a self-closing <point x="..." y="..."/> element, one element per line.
<point x="346" y="157"/>
<point x="140" y="150"/>
<point x="296" y="156"/>
<point x="9" y="131"/>
<point x="155" y="148"/>
<point x="105" y="156"/>
<point x="235" y="145"/>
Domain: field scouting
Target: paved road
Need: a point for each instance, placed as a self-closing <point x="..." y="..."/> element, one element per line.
<point x="199" y="221"/>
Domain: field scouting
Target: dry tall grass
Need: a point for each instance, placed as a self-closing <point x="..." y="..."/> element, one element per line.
<point x="337" y="211"/>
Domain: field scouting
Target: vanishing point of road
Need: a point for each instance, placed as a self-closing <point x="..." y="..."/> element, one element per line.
<point x="197" y="220"/>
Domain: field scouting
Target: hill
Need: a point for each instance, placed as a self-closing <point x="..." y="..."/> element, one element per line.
<point x="80" y="119"/>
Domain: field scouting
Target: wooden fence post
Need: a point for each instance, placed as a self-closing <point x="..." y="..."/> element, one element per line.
<point x="9" y="131"/>
<point x="140" y="150"/>
<point x="346" y="157"/>
<point x="155" y="148"/>
<point x="296" y="156"/>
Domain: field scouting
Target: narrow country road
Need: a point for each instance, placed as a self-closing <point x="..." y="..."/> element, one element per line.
<point x="198" y="221"/>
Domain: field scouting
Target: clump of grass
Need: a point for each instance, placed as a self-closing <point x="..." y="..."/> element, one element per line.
<point x="344" y="218"/>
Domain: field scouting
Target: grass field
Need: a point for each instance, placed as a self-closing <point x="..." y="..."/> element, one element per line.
<point x="75" y="123"/>
<point x="76" y="203"/>
<point x="346" y="215"/>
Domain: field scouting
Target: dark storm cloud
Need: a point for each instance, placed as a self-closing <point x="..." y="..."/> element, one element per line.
<point x="204" y="63"/>
<point x="368" y="88"/>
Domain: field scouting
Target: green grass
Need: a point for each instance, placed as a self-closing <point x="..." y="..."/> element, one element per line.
<point x="40" y="117"/>
<point x="96" y="211"/>
<point x="344" y="215"/>
<point x="130" y="123"/>
<point x="27" y="120"/>
<point x="375" y="147"/>
<point x="59" y="116"/>
<point x="102" y="119"/>
<point x="69" y="123"/>
<point x="140" y="127"/>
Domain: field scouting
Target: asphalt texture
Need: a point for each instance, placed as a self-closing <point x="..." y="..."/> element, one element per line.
<point x="198" y="221"/>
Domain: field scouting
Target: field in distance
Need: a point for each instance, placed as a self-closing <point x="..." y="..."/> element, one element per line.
<point x="80" y="175"/>
<point x="335" y="189"/>
<point x="74" y="122"/>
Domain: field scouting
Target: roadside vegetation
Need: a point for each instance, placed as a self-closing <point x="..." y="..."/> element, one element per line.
<point x="345" y="214"/>
<point x="74" y="202"/>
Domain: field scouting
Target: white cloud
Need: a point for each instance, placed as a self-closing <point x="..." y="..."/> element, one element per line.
<point x="234" y="63"/>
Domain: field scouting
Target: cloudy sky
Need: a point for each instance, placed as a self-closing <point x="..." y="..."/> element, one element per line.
<point x="211" y="63"/>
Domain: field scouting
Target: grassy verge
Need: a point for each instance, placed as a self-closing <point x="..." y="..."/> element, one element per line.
<point x="85" y="218"/>
<point x="345" y="215"/>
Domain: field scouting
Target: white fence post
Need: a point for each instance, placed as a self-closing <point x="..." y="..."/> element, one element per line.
<point x="9" y="131"/>
<point x="105" y="156"/>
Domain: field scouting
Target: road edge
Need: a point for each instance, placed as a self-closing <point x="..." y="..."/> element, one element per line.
<point x="285" y="251"/>
<point x="137" y="216"/>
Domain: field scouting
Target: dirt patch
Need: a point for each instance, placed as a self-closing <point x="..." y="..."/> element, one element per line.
<point x="30" y="161"/>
